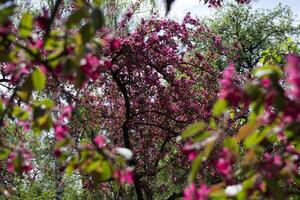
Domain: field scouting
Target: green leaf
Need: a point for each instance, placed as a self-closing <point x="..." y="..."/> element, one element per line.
<point x="219" y="107"/>
<point x="93" y="165"/>
<point x="231" y="144"/>
<point x="18" y="162"/>
<point x="98" y="18"/>
<point x="192" y="129"/>
<point x="202" y="136"/>
<point x="246" y="130"/>
<point x="106" y="171"/>
<point x="76" y="17"/>
<point x="69" y="169"/>
<point x="6" y="13"/>
<point x="48" y="103"/>
<point x="248" y="183"/>
<point x="1" y="106"/>
<point x="268" y="71"/>
<point x="254" y="139"/>
<point x="86" y="33"/>
<point x="17" y="111"/>
<point x="212" y="123"/>
<point x="38" y="79"/>
<point x="200" y="157"/>
<point x="23" y="94"/>
<point x="4" y="153"/>
<point x="25" y="27"/>
<point x="275" y="189"/>
<point x="195" y="167"/>
<point x="97" y="2"/>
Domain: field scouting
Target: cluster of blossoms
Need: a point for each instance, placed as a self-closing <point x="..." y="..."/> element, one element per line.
<point x="19" y="160"/>
<point x="225" y="163"/>
<point x="124" y="176"/>
<point x="190" y="151"/>
<point x="293" y="78"/>
<point x="143" y="89"/>
<point x="60" y="129"/>
<point x="230" y="89"/>
<point x="193" y="193"/>
<point x="100" y="141"/>
<point x="268" y="136"/>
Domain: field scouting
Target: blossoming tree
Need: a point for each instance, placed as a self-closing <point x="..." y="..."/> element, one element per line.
<point x="109" y="109"/>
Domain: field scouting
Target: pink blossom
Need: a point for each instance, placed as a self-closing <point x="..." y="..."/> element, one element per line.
<point x="21" y="154"/>
<point x="218" y="40"/>
<point x="61" y="132"/>
<point x="25" y="125"/>
<point x="66" y="112"/>
<point x="224" y="163"/>
<point x="192" y="193"/>
<point x="115" y="44"/>
<point x="266" y="83"/>
<point x="203" y="192"/>
<point x="189" y="150"/>
<point x="124" y="176"/>
<point x="90" y="66"/>
<point x="229" y="90"/>
<point x="277" y="160"/>
<point x="293" y="76"/>
<point x="100" y="141"/>
<point x="272" y="164"/>
<point x="36" y="43"/>
<point x="224" y="166"/>
<point x="10" y="67"/>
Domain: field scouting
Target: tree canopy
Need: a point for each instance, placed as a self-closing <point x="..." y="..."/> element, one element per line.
<point x="92" y="109"/>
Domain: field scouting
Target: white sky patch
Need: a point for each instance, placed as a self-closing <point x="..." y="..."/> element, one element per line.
<point x="198" y="9"/>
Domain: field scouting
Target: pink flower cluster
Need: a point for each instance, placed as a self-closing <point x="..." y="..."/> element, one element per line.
<point x="60" y="129"/>
<point x="89" y="66"/>
<point x="272" y="164"/>
<point x="190" y="151"/>
<point x="225" y="162"/>
<point x="19" y="159"/>
<point x="193" y="193"/>
<point x="293" y="77"/>
<point x="61" y="132"/>
<point x="229" y="90"/>
<point x="100" y="141"/>
<point x="124" y="176"/>
<point x="92" y="65"/>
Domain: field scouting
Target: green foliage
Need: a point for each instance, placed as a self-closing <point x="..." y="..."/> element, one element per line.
<point x="248" y="32"/>
<point x="193" y="129"/>
<point x="26" y="26"/>
<point x="38" y="79"/>
<point x="219" y="107"/>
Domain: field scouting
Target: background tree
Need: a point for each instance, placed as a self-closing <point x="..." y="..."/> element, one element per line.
<point x="248" y="32"/>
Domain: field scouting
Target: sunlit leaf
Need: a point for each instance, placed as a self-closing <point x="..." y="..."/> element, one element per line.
<point x="247" y="130"/>
<point x="86" y="33"/>
<point x="219" y="107"/>
<point x="76" y="17"/>
<point x="38" y="79"/>
<point x="25" y="26"/>
<point x="192" y="129"/>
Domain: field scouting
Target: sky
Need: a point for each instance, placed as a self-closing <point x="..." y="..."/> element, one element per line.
<point x="181" y="7"/>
